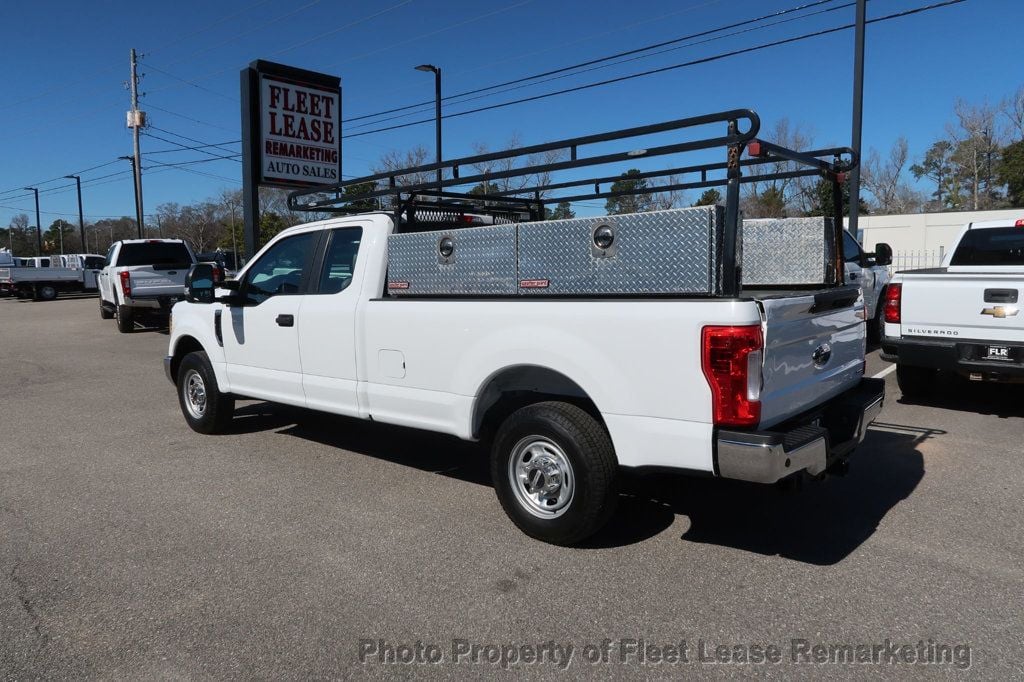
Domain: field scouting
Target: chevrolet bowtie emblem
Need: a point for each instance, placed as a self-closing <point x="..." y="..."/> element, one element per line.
<point x="1001" y="311"/>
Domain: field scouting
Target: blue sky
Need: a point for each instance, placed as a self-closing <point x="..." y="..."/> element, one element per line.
<point x="64" y="101"/>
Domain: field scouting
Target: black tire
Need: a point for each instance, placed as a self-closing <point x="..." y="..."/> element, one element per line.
<point x="211" y="413"/>
<point x="105" y="312"/>
<point x="46" y="292"/>
<point x="125" y="319"/>
<point x="915" y="382"/>
<point x="876" y="326"/>
<point x="560" y="434"/>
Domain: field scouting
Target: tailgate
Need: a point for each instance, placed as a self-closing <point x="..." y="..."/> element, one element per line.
<point x="814" y="350"/>
<point x="962" y="305"/>
<point x="147" y="283"/>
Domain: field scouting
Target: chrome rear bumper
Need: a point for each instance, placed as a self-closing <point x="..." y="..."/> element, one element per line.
<point x="812" y="443"/>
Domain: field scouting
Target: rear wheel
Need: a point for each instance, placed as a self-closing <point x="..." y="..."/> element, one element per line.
<point x="46" y="292"/>
<point x="206" y="409"/>
<point x="915" y="382"/>
<point x="554" y="470"/>
<point x="125" y="319"/>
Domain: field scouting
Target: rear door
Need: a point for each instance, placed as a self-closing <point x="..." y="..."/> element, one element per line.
<point x="158" y="268"/>
<point x="814" y="350"/>
<point x="261" y="343"/>
<point x="326" y="324"/>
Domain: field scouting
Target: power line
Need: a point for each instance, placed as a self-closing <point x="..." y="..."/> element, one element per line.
<point x="61" y="177"/>
<point x="597" y="61"/>
<point x="182" y="148"/>
<point x="190" y="139"/>
<point x="201" y="148"/>
<point x="663" y="69"/>
<point x="603" y="62"/>
<point x="250" y="31"/>
<point x="150" y="105"/>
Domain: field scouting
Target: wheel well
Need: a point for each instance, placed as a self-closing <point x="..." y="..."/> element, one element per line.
<point x="185" y="345"/>
<point x="516" y="387"/>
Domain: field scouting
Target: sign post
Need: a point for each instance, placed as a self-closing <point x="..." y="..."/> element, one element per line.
<point x="291" y="134"/>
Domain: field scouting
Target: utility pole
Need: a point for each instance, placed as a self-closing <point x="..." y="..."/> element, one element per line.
<point x="136" y="121"/>
<point x="858" y="115"/>
<point x="39" y="224"/>
<point x="138" y="197"/>
<point x="81" y="218"/>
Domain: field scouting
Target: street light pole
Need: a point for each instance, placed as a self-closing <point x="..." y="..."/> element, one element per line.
<point x="39" y="224"/>
<point x="858" y="115"/>
<point x="437" y="111"/>
<point x="81" y="218"/>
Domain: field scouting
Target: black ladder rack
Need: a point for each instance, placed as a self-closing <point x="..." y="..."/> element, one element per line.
<point x="412" y="203"/>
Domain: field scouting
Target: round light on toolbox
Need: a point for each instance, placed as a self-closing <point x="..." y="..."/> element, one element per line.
<point x="446" y="246"/>
<point x="603" y="237"/>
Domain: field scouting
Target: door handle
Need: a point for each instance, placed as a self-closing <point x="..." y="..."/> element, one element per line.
<point x="285" y="320"/>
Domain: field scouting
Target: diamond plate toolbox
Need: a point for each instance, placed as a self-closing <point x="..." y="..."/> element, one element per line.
<point x="788" y="251"/>
<point x="471" y="261"/>
<point x="664" y="252"/>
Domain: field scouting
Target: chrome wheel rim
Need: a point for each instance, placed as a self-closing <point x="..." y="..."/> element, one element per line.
<point x="541" y="477"/>
<point x="195" y="394"/>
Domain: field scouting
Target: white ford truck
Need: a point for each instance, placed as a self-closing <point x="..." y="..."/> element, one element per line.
<point x="142" y="277"/>
<point x="575" y="348"/>
<point x="963" y="317"/>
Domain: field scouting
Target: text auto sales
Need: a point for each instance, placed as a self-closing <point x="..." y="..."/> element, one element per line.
<point x="306" y="121"/>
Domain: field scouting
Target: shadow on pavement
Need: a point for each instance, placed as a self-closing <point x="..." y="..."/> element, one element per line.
<point x="952" y="392"/>
<point x="819" y="523"/>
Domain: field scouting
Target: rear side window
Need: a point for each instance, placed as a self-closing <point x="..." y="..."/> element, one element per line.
<point x="991" y="246"/>
<point x="154" y="253"/>
<point x="340" y="260"/>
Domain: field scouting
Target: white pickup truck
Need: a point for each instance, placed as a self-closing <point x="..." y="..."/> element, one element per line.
<point x="964" y="317"/>
<point x="142" y="276"/>
<point x="575" y="348"/>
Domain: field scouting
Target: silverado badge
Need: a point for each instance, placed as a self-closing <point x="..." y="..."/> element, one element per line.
<point x="1000" y="311"/>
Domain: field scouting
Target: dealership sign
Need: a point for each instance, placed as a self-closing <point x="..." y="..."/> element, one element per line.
<point x="292" y="125"/>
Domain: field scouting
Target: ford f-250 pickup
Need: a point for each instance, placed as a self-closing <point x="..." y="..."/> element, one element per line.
<point x="964" y="317"/>
<point x="142" y="277"/>
<point x="568" y="389"/>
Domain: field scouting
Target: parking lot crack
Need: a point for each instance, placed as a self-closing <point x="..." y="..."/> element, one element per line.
<point x="21" y="592"/>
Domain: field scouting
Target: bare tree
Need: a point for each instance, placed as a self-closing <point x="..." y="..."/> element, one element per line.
<point x="976" y="150"/>
<point x="774" y="198"/>
<point x="884" y="180"/>
<point x="1012" y="108"/>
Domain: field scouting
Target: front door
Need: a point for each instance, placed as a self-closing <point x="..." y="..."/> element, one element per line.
<point x="261" y="343"/>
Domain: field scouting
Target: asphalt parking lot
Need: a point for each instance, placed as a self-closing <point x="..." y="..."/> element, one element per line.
<point x="131" y="547"/>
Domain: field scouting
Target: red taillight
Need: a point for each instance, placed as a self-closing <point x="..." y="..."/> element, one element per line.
<point x="893" y="300"/>
<point x="126" y="284"/>
<point x="1019" y="223"/>
<point x="731" y="359"/>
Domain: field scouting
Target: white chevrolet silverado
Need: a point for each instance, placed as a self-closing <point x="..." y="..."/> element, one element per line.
<point x="575" y="348"/>
<point x="963" y="317"/>
<point x="142" y="276"/>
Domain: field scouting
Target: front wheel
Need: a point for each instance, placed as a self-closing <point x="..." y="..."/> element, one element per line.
<point x="206" y="409"/>
<point x="105" y="312"/>
<point x="915" y="382"/>
<point x="554" y="470"/>
<point x="47" y="292"/>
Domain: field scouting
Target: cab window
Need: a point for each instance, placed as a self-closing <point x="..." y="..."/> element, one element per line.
<point x="851" y="249"/>
<point x="340" y="260"/>
<point x="280" y="271"/>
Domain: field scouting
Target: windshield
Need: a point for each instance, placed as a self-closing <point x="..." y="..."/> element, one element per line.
<point x="154" y="253"/>
<point x="991" y="246"/>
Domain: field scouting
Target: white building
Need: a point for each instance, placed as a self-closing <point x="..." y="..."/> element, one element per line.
<point x="920" y="240"/>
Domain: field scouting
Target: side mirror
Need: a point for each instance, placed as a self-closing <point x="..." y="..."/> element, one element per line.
<point x="201" y="280"/>
<point x="883" y="254"/>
